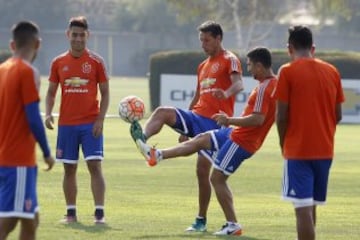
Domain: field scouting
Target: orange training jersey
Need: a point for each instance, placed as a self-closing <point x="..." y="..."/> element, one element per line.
<point x="215" y="73"/>
<point x="312" y="88"/>
<point x="79" y="79"/>
<point x="261" y="100"/>
<point x="19" y="84"/>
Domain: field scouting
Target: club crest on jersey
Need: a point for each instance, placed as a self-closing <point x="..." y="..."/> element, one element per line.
<point x="215" y="67"/>
<point x="65" y="68"/>
<point x="86" y="67"/>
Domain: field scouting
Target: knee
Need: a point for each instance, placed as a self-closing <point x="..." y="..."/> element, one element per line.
<point x="95" y="168"/>
<point x="217" y="178"/>
<point x="70" y="170"/>
<point x="165" y="114"/>
<point x="203" y="169"/>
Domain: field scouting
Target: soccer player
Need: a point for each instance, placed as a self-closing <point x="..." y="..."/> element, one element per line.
<point x="309" y="97"/>
<point x="20" y="128"/>
<point x="80" y="73"/>
<point x="219" y="80"/>
<point x="232" y="145"/>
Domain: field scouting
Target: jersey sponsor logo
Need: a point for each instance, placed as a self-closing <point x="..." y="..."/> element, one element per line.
<point x="207" y="82"/>
<point x="75" y="82"/>
<point x="86" y="67"/>
<point x="230" y="168"/>
<point x="76" y="90"/>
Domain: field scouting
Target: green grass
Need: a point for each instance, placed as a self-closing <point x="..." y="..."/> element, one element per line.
<point x="160" y="202"/>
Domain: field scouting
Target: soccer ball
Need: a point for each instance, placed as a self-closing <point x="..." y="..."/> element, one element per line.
<point x="131" y="108"/>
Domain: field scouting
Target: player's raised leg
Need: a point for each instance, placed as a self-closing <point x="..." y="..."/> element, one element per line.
<point x="160" y="117"/>
<point x="153" y="155"/>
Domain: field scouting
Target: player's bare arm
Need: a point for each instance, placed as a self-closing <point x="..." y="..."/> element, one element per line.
<point x="195" y="99"/>
<point x="236" y="87"/>
<point x="49" y="104"/>
<point x="254" y="119"/>
<point x="104" y="105"/>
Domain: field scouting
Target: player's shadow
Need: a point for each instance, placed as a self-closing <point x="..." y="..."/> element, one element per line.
<point x="90" y="228"/>
<point x="206" y="235"/>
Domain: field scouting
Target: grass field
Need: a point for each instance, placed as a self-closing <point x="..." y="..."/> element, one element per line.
<point x="160" y="202"/>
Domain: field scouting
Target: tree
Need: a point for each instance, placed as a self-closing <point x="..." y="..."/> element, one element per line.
<point x="100" y="13"/>
<point x="253" y="20"/>
<point x="46" y="17"/>
<point x="346" y="13"/>
<point x="254" y="17"/>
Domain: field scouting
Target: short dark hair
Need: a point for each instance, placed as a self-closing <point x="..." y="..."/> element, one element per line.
<point x="24" y="32"/>
<point x="300" y="37"/>
<point x="261" y="55"/>
<point x="79" y="21"/>
<point x="213" y="27"/>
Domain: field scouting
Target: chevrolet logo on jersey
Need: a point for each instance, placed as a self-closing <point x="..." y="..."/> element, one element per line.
<point x="76" y="82"/>
<point x="207" y="82"/>
<point x="351" y="105"/>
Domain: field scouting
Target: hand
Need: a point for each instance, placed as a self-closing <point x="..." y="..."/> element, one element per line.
<point x="219" y="93"/>
<point x="49" y="122"/>
<point x="98" y="128"/>
<point x="221" y="119"/>
<point x="50" y="161"/>
<point x="183" y="138"/>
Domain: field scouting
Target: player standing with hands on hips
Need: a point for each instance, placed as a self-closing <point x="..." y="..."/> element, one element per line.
<point x="21" y="127"/>
<point x="219" y="80"/>
<point x="309" y="96"/>
<point x="80" y="73"/>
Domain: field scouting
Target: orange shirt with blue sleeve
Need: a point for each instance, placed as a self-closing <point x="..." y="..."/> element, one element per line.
<point x="214" y="73"/>
<point x="312" y="89"/>
<point x="262" y="101"/>
<point x="79" y="79"/>
<point x="19" y="86"/>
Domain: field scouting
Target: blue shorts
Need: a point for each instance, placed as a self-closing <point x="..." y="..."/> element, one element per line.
<point x="18" y="196"/>
<point x="191" y="124"/>
<point x="226" y="155"/>
<point x="230" y="157"/>
<point x="71" y="137"/>
<point x="305" y="181"/>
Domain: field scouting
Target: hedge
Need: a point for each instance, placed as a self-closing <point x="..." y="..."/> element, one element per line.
<point x="186" y="62"/>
